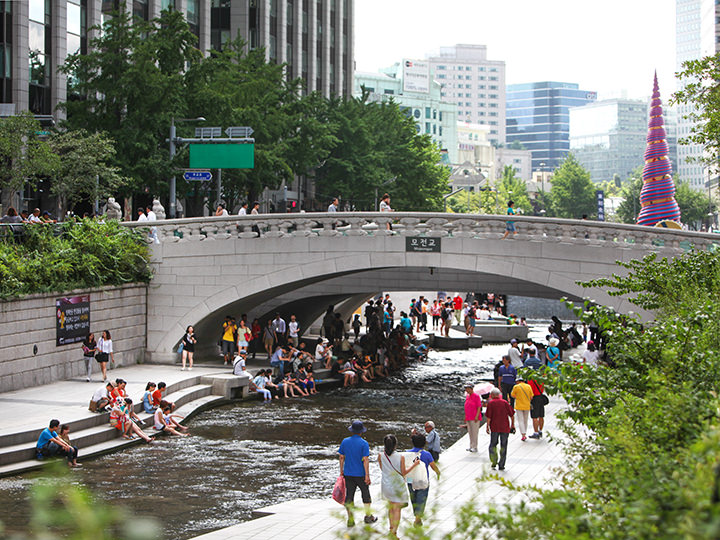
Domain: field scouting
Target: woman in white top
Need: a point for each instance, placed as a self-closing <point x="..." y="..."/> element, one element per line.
<point x="591" y="355"/>
<point x="385" y="207"/>
<point x="393" y="487"/>
<point x="104" y="352"/>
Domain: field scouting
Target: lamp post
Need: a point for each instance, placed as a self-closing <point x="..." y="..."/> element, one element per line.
<point x="445" y="198"/>
<point x="173" y="137"/>
<point x="542" y="176"/>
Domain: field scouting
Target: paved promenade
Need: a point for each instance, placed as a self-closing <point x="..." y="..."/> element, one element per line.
<point x="528" y="462"/>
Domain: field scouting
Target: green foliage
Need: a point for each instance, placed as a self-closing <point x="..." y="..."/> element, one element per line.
<point x="641" y="437"/>
<point x="465" y="202"/>
<point x="73" y="255"/>
<point x="694" y="204"/>
<point x="128" y="86"/>
<point x="629" y="208"/>
<point x="24" y="156"/>
<point x="572" y="193"/>
<point x="83" y="170"/>
<point x="378" y="148"/>
<point x="511" y="187"/>
<point x="702" y="93"/>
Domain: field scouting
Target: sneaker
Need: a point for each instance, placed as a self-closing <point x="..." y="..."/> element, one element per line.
<point x="535" y="436"/>
<point x="474" y="450"/>
<point x="539" y="434"/>
<point x="88" y="379"/>
<point x="189" y="369"/>
<point x="370" y="519"/>
<point x="182" y="369"/>
<point x="523" y="438"/>
<point x="351" y="522"/>
<point x="501" y="468"/>
<point x="492" y="466"/>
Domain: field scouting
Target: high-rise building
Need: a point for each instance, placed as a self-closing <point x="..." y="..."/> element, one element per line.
<point x="696" y="36"/>
<point x="608" y="137"/>
<point x="538" y="117"/>
<point x="314" y="38"/>
<point x="475" y="84"/>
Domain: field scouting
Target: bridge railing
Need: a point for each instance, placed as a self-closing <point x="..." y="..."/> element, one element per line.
<point x="425" y="224"/>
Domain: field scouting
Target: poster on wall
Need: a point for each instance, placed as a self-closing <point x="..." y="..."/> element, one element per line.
<point x="416" y="76"/>
<point x="72" y="316"/>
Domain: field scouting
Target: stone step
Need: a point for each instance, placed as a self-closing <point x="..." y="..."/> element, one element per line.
<point x="188" y="410"/>
<point x="88" y="419"/>
<point x="84" y="438"/>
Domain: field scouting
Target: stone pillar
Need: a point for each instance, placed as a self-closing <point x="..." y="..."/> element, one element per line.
<point x="58" y="53"/>
<point x="204" y="40"/>
<point x="21" y="53"/>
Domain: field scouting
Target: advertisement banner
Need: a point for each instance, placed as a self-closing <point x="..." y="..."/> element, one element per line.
<point x="72" y="319"/>
<point x="600" y="197"/>
<point x="416" y="76"/>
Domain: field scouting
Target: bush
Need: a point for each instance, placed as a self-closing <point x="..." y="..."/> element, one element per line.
<point x="75" y="254"/>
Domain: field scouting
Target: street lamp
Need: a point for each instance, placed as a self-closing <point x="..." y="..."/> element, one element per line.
<point x="173" y="137"/>
<point x="542" y="175"/>
<point x="445" y="198"/>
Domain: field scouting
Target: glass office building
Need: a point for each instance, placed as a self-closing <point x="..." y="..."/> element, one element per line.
<point x="538" y="117"/>
<point x="313" y="37"/>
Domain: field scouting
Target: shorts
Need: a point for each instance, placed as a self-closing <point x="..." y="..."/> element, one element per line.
<point x="356" y="482"/>
<point x="510" y="226"/>
<point x="418" y="499"/>
<point x="242" y="343"/>
<point x="228" y="347"/>
<point x="537" y="407"/>
<point x="473" y="322"/>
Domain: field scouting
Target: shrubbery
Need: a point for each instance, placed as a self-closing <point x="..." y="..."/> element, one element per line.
<point x="72" y="255"/>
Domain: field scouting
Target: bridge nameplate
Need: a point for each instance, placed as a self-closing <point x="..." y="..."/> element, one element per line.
<point x="422" y="244"/>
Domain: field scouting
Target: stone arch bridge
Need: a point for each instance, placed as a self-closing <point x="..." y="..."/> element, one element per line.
<point x="206" y="268"/>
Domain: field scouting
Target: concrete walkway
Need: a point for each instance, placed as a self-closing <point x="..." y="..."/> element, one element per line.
<point x="528" y="462"/>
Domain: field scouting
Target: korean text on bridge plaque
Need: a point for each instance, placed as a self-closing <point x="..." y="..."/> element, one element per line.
<point x="422" y="244"/>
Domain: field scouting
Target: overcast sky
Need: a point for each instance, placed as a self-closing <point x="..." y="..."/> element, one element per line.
<point x="611" y="47"/>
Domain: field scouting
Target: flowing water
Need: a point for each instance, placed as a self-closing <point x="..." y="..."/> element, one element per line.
<point x="244" y="456"/>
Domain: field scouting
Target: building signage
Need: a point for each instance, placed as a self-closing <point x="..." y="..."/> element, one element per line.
<point x="600" y="197"/>
<point x="416" y="76"/>
<point x="72" y="319"/>
<point x="422" y="244"/>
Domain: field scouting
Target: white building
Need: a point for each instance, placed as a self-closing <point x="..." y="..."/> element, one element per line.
<point x="475" y="84"/>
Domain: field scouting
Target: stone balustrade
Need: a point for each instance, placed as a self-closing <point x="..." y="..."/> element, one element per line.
<point x="425" y="224"/>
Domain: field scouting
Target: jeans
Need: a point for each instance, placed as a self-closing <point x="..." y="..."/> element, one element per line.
<point x="51" y="449"/>
<point x="506" y="389"/>
<point x="265" y="393"/>
<point x="494" y="438"/>
<point x="418" y="499"/>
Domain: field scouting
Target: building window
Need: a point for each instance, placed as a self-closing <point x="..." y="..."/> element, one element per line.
<point x="389" y="91"/>
<point x="140" y="9"/>
<point x="219" y="24"/>
<point x="6" y="52"/>
<point x="427" y="127"/>
<point x="39" y="39"/>
<point x="193" y="17"/>
<point x="435" y="114"/>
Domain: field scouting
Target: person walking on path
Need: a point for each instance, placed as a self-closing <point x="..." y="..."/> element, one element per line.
<point x="507" y="375"/>
<point x="537" y="408"/>
<point x="515" y="354"/>
<point x="473" y="414"/>
<point x="418" y="497"/>
<point x="522" y="393"/>
<point x="394" y="470"/>
<point x="500" y="422"/>
<point x="510" y="225"/>
<point x="104" y="352"/>
<point x="188" y="343"/>
<point x="457" y="306"/>
<point x="229" y="329"/>
<point x="354" y="456"/>
<point x="89" y="348"/>
<point x="433" y="440"/>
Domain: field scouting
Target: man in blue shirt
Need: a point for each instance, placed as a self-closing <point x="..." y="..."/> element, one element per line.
<point x="418" y="497"/>
<point x="532" y="360"/>
<point x="405" y="323"/>
<point x="49" y="445"/>
<point x="354" y="455"/>
<point x="506" y="379"/>
<point x="278" y="359"/>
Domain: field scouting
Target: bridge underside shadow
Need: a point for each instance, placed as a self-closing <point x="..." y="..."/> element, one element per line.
<point x="308" y="302"/>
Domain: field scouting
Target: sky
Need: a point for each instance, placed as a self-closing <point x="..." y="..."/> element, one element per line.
<point x="611" y="46"/>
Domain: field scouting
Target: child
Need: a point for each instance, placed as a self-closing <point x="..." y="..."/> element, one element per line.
<point x="356" y="326"/>
<point x="147" y="398"/>
<point x="163" y="421"/>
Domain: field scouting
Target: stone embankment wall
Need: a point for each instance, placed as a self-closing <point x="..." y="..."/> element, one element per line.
<point x="31" y="321"/>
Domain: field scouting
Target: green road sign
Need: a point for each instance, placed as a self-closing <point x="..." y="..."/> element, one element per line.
<point x="222" y="156"/>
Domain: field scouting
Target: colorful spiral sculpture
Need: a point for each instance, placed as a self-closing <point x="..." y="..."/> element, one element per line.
<point x="657" y="197"/>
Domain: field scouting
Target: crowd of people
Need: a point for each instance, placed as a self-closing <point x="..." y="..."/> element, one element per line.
<point x="13" y="217"/>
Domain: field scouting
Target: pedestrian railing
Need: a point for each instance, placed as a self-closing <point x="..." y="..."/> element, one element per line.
<point x="432" y="225"/>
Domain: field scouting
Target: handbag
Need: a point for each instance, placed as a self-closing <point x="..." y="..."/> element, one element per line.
<point x="545" y="399"/>
<point x="181" y="347"/>
<point x="338" y="493"/>
<point x="418" y="476"/>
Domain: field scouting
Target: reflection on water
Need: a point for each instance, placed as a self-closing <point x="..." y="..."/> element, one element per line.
<point x="244" y="456"/>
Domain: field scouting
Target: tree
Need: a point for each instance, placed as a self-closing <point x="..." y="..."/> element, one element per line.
<point x="510" y="187"/>
<point x="379" y="150"/>
<point x="465" y="202"/>
<point x="629" y="208"/>
<point x="238" y="88"/>
<point x="572" y="192"/>
<point x="83" y="169"/>
<point x="24" y="155"/>
<point x="694" y="204"/>
<point x="702" y="92"/>
<point x="129" y="86"/>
